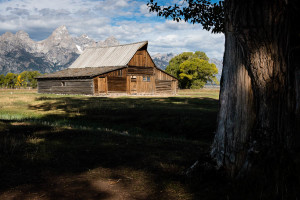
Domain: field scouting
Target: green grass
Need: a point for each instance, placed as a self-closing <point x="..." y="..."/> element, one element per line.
<point x="185" y="117"/>
<point x="53" y="146"/>
<point x="142" y="144"/>
<point x="130" y="147"/>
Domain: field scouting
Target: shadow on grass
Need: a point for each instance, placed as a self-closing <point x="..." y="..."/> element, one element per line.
<point x="158" y="138"/>
<point x="56" y="163"/>
<point x="189" y="118"/>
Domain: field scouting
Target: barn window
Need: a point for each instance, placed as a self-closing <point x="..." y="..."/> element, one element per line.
<point x="120" y="72"/>
<point x="63" y="83"/>
<point x="146" y="78"/>
<point x="133" y="78"/>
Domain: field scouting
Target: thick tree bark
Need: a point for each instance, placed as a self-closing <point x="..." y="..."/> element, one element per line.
<point x="259" y="98"/>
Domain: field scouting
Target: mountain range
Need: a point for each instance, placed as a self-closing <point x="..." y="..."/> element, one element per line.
<point x="162" y="60"/>
<point x="18" y="52"/>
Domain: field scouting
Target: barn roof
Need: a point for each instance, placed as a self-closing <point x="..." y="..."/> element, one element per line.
<point x="80" y="72"/>
<point x="108" y="56"/>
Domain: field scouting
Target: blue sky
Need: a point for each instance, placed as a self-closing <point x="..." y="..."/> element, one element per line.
<point x="127" y="20"/>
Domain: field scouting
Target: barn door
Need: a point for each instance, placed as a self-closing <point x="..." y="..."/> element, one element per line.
<point x="102" y="83"/>
<point x="133" y="85"/>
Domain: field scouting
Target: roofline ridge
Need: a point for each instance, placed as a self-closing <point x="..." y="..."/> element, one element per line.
<point x="146" y="41"/>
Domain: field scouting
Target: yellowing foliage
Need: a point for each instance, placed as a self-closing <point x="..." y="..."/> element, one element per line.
<point x="19" y="82"/>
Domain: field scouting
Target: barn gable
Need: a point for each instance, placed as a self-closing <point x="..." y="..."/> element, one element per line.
<point x="141" y="59"/>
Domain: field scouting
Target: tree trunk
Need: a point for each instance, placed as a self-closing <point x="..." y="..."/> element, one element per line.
<point x="260" y="91"/>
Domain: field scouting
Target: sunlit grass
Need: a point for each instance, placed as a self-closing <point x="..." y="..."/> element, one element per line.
<point x="209" y="93"/>
<point x="182" y="115"/>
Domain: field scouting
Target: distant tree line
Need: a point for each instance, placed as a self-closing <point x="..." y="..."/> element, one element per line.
<point x="25" y="79"/>
<point x="193" y="70"/>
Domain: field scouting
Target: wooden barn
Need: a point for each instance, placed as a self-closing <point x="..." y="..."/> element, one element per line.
<point x="117" y="69"/>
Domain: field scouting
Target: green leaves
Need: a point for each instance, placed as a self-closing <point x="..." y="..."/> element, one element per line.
<point x="209" y="15"/>
<point x="24" y="79"/>
<point x="10" y="80"/>
<point x="192" y="69"/>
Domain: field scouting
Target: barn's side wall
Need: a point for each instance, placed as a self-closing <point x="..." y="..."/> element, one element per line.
<point x="164" y="83"/>
<point x="66" y="86"/>
<point x="112" y="82"/>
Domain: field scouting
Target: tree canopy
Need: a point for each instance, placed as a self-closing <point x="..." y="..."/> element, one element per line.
<point x="192" y="69"/>
<point x="210" y="15"/>
<point x="22" y="80"/>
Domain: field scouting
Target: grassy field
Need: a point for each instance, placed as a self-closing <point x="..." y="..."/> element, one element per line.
<point x="82" y="147"/>
<point x="190" y="115"/>
<point x="125" y="147"/>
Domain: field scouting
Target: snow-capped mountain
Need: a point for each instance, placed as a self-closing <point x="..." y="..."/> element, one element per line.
<point x="162" y="60"/>
<point x="19" y="53"/>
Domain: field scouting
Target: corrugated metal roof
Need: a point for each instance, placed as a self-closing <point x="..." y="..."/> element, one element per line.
<point x="80" y="72"/>
<point x="107" y="56"/>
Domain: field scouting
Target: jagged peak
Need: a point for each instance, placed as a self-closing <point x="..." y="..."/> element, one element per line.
<point x="111" y="38"/>
<point x="61" y="30"/>
<point x="62" y="27"/>
<point x="110" y="41"/>
<point x="22" y="33"/>
<point x="8" y="34"/>
<point x="84" y="36"/>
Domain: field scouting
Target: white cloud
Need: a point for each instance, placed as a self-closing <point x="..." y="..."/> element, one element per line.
<point x="144" y="11"/>
<point x="127" y="20"/>
<point x="180" y="37"/>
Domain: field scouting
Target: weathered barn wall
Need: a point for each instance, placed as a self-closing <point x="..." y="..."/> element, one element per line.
<point x="117" y="73"/>
<point x="140" y="80"/>
<point x="141" y="59"/>
<point x="116" y="84"/>
<point x="145" y="85"/>
<point x="66" y="86"/>
<point x="165" y="83"/>
<point x="100" y="85"/>
<point x="163" y="86"/>
<point x="136" y="70"/>
<point x="112" y="82"/>
<point x="160" y="82"/>
<point x="161" y="75"/>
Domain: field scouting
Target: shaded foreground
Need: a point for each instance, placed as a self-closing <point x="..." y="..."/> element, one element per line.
<point x="43" y="162"/>
<point x="80" y="147"/>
